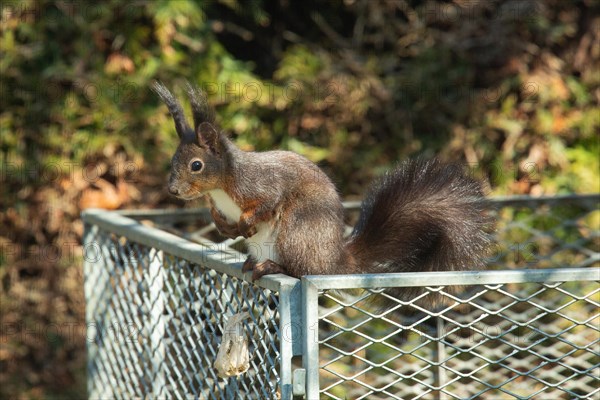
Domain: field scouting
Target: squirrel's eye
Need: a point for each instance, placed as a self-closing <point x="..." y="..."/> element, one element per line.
<point x="196" y="166"/>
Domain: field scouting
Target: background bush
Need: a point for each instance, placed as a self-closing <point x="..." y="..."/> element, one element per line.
<point x="510" y="87"/>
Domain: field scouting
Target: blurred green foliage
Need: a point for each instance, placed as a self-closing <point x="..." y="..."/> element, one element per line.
<point x="510" y="87"/>
<point x="365" y="83"/>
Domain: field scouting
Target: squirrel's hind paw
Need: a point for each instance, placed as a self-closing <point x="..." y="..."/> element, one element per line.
<point x="267" y="267"/>
<point x="261" y="269"/>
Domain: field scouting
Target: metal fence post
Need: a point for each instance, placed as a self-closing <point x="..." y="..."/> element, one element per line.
<point x="290" y="328"/>
<point x="98" y="290"/>
<point x="310" y="328"/>
<point x="154" y="275"/>
<point x="91" y="270"/>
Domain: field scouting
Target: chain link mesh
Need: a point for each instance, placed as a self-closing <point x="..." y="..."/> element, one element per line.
<point x="525" y="340"/>
<point x="157" y="316"/>
<point x="159" y="320"/>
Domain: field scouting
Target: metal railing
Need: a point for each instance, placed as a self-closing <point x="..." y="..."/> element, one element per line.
<point x="160" y="285"/>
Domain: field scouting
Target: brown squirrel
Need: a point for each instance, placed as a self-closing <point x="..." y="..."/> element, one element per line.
<point x="424" y="215"/>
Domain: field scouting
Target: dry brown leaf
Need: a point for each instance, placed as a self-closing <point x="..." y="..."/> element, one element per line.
<point x="108" y="197"/>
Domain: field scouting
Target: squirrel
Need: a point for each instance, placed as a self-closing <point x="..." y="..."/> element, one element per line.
<point x="424" y="215"/>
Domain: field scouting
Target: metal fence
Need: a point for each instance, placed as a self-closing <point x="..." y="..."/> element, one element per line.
<point x="160" y="285"/>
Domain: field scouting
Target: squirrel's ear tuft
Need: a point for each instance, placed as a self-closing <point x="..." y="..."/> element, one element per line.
<point x="181" y="125"/>
<point x="201" y="110"/>
<point x="208" y="137"/>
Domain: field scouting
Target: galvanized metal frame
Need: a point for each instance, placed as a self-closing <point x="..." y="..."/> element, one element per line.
<point x="164" y="243"/>
<point x="161" y="253"/>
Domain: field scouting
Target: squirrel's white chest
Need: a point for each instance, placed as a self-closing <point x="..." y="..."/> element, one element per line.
<point x="226" y="205"/>
<point x="262" y="245"/>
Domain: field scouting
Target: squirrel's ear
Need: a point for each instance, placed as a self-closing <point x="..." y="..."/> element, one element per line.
<point x="208" y="137"/>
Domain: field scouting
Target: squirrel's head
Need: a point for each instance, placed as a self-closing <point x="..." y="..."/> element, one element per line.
<point x="200" y="161"/>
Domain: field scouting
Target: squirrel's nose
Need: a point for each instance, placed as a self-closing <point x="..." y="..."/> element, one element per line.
<point x="173" y="190"/>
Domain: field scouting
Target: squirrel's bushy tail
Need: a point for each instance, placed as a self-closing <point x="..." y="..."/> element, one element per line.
<point x="422" y="216"/>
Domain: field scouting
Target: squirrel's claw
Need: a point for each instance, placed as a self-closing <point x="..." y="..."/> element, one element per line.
<point x="246" y="231"/>
<point x="249" y="264"/>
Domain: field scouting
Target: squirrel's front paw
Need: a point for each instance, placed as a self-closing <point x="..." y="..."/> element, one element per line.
<point x="246" y="230"/>
<point x="225" y="229"/>
<point x="228" y="231"/>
